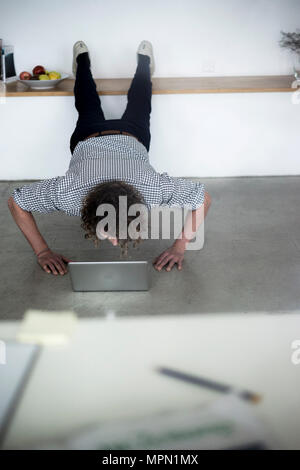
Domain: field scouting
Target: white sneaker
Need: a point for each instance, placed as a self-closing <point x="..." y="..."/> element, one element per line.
<point x="78" y="48"/>
<point x="146" y="48"/>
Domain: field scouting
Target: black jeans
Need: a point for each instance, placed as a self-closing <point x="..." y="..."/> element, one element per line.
<point x="136" y="118"/>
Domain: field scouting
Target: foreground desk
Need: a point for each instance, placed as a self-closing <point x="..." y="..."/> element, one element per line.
<point x="107" y="371"/>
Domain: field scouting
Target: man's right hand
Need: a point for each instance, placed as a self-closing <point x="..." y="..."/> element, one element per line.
<point x="48" y="260"/>
<point x="53" y="262"/>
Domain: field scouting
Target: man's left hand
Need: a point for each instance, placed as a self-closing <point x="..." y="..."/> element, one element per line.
<point x="169" y="257"/>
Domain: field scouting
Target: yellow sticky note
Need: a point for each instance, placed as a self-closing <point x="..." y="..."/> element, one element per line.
<point x="47" y="327"/>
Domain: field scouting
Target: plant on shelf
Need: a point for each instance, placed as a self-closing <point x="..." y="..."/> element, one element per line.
<point x="291" y="41"/>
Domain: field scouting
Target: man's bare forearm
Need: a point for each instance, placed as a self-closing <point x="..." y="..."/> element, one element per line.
<point x="193" y="221"/>
<point x="26" y="223"/>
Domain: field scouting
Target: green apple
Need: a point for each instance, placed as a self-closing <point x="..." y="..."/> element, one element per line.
<point x="43" y="76"/>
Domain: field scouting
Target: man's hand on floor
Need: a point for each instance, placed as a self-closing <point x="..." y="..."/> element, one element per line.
<point x="170" y="257"/>
<point x="53" y="262"/>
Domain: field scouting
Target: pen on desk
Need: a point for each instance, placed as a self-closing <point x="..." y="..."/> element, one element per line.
<point x="207" y="383"/>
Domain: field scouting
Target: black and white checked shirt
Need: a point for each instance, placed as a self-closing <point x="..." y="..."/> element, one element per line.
<point x="104" y="158"/>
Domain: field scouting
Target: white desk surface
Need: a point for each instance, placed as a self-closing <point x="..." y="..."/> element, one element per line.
<point x="107" y="371"/>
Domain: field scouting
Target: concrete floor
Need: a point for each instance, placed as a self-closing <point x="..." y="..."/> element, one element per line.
<point x="250" y="261"/>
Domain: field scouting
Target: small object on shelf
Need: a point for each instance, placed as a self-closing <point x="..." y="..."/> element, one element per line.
<point x="0" y="59"/>
<point x="296" y="66"/>
<point x="7" y="64"/>
<point x="25" y="76"/>
<point x="291" y="41"/>
<point x="42" y="81"/>
<point x="41" y="78"/>
<point x="38" y="70"/>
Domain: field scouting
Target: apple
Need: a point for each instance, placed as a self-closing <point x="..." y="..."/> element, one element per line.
<point x="43" y="76"/>
<point x="25" y="76"/>
<point x="54" y="75"/>
<point x="38" y="70"/>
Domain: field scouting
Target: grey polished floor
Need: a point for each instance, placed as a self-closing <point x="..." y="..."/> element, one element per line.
<point x="250" y="261"/>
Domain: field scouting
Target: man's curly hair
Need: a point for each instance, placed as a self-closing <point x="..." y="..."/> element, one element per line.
<point x="108" y="193"/>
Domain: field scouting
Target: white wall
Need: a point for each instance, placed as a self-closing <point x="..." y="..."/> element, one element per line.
<point x="192" y="135"/>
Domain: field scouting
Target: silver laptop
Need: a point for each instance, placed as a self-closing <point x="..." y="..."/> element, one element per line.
<point x="109" y="275"/>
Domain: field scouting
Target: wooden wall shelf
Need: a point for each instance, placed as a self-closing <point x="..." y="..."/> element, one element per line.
<point x="171" y="85"/>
